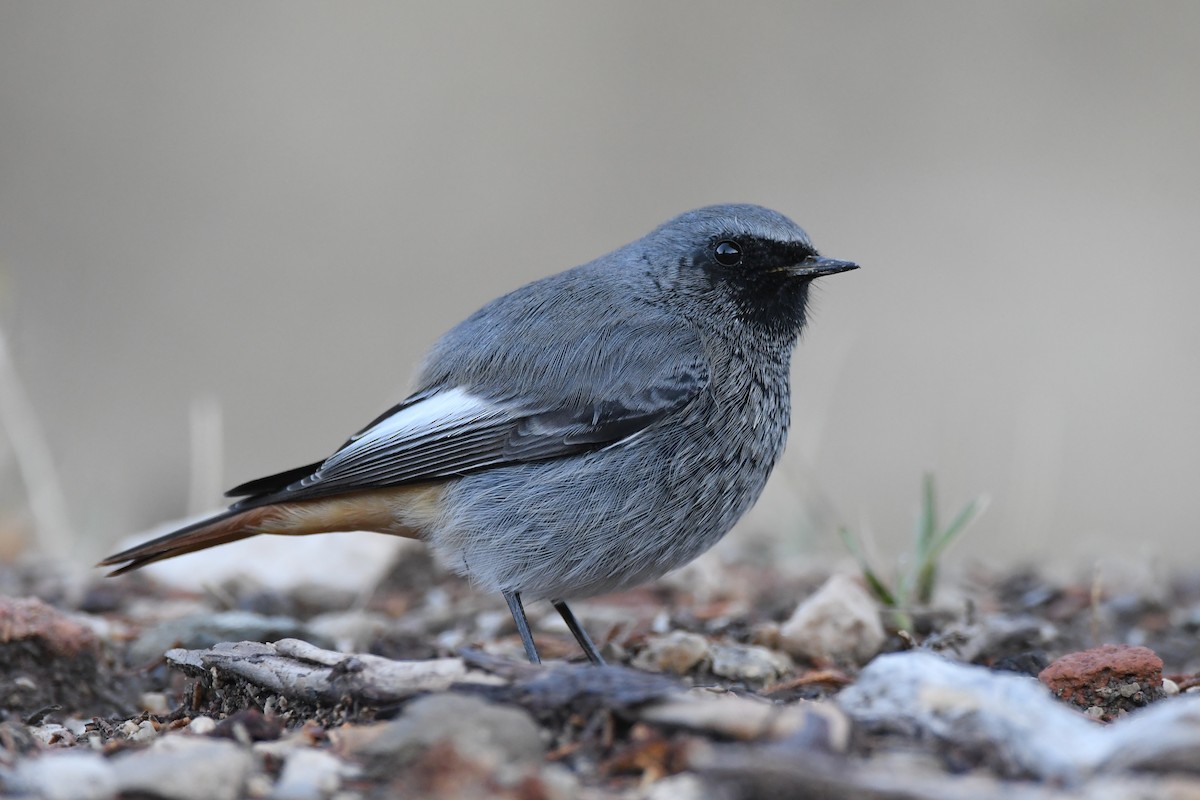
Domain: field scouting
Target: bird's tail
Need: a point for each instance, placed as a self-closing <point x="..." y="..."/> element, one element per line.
<point x="229" y="526"/>
<point x="378" y="510"/>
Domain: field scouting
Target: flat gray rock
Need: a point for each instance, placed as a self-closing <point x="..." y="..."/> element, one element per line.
<point x="478" y="730"/>
<point x="185" y="768"/>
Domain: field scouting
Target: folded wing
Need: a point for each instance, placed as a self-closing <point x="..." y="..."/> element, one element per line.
<point x="439" y="434"/>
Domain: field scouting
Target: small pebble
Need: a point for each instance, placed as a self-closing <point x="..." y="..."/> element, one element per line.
<point x="77" y="726"/>
<point x="144" y="733"/>
<point x="451" y="640"/>
<point x="678" y="652"/>
<point x="749" y="663"/>
<point x="825" y="727"/>
<point x="766" y="634"/>
<point x="154" y="702"/>
<point x="309" y="774"/>
<point x="202" y="726"/>
<point x="684" y="786"/>
<point x="838" y="624"/>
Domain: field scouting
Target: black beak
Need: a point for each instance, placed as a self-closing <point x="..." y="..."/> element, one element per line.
<point x="816" y="266"/>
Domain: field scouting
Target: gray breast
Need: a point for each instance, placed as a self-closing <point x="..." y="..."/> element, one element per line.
<point x="624" y="515"/>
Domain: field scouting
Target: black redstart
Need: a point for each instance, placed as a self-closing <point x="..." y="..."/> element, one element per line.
<point x="585" y="433"/>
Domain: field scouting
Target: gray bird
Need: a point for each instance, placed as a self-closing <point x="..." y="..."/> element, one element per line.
<point x="585" y="433"/>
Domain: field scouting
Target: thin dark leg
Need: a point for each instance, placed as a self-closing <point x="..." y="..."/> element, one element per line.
<point x="579" y="633"/>
<point x="518" y="613"/>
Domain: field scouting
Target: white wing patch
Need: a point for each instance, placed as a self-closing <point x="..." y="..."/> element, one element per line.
<point x="438" y="417"/>
<point x="454" y="432"/>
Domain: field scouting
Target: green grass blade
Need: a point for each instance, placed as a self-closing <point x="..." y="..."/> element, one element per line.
<point x="971" y="511"/>
<point x="927" y="572"/>
<point x="874" y="583"/>
<point x="928" y="524"/>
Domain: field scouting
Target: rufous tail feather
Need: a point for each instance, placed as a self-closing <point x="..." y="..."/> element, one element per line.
<point x="378" y="510"/>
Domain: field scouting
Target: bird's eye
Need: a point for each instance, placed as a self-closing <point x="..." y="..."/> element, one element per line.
<point x="728" y="254"/>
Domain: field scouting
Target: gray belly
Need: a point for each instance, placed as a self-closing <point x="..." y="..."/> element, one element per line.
<point x="616" y="517"/>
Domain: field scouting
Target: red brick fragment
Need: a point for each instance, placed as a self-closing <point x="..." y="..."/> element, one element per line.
<point x="1108" y="680"/>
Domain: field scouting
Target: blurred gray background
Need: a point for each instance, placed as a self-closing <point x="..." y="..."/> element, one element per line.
<point x="228" y="231"/>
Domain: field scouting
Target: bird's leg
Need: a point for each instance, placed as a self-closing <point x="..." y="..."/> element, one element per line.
<point x="579" y="633"/>
<point x="518" y="613"/>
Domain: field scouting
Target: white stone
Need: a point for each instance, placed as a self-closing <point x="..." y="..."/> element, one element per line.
<point x="1016" y="720"/>
<point x="80" y="775"/>
<point x="838" y="624"/>
<point x="202" y="725"/>
<point x="309" y="774"/>
<point x="747" y="718"/>
<point x="684" y="786"/>
<point x="155" y="703"/>
<point x="1013" y="716"/>
<point x="144" y="733"/>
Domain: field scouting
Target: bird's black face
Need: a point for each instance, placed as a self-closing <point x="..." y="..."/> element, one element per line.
<point x="766" y="279"/>
<point x="741" y="261"/>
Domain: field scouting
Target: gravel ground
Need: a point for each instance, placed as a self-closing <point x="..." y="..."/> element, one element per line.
<point x="762" y="684"/>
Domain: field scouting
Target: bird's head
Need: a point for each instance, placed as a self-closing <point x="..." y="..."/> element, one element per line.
<point x="741" y="260"/>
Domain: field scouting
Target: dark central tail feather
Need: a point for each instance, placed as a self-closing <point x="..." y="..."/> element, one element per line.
<point x="228" y="526"/>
